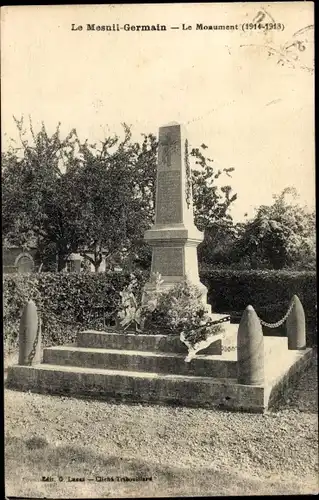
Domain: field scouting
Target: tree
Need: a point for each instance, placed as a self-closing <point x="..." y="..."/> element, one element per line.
<point x="129" y="211"/>
<point x="97" y="199"/>
<point x="70" y="196"/>
<point x="220" y="238"/>
<point x="37" y="197"/>
<point x="16" y="220"/>
<point x="116" y="183"/>
<point x="280" y="235"/>
<point x="211" y="203"/>
<point x="211" y="208"/>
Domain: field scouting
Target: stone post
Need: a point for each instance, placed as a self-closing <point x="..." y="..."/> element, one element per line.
<point x="174" y="237"/>
<point x="296" y="326"/>
<point x="30" y="335"/>
<point x="250" y="349"/>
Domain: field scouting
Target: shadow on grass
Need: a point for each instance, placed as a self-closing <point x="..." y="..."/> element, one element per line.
<point x="44" y="456"/>
<point x="44" y="459"/>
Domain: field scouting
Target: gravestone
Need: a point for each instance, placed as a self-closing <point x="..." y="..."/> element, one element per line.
<point x="174" y="237"/>
<point x="25" y="264"/>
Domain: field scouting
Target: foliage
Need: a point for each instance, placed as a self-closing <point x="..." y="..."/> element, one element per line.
<point x="66" y="302"/>
<point x="39" y="202"/>
<point x="211" y="203"/>
<point x="115" y="198"/>
<point x="17" y="290"/>
<point x="64" y="196"/>
<point x="280" y="235"/>
<point x="268" y="291"/>
<point x="217" y="247"/>
<point x="179" y="310"/>
<point x="129" y="312"/>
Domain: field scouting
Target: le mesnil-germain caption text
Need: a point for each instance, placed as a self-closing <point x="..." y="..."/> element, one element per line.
<point x="182" y="27"/>
<point x="150" y="27"/>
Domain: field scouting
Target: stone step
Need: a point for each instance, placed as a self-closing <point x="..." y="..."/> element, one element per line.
<point x="157" y="388"/>
<point x="140" y="361"/>
<point x="131" y="341"/>
<point x="133" y="386"/>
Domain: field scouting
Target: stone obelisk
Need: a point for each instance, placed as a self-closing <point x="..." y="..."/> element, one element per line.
<point x="174" y="237"/>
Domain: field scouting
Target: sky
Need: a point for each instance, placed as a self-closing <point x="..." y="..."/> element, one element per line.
<point x="253" y="114"/>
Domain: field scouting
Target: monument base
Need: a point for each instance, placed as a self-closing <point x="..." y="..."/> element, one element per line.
<point x="174" y="257"/>
<point x="152" y="369"/>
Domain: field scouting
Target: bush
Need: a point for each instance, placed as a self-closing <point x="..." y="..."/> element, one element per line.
<point x="66" y="302"/>
<point x="17" y="290"/>
<point x="269" y="292"/>
<point x="177" y="310"/>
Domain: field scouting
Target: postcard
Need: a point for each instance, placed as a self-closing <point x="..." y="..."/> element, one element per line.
<point x="159" y="256"/>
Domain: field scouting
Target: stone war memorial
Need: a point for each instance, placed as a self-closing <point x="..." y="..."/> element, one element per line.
<point x="230" y="366"/>
<point x="174" y="237"/>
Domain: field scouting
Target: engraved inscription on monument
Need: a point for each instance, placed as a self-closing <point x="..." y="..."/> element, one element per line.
<point x="169" y="154"/>
<point x="168" y="261"/>
<point x="174" y="238"/>
<point x="169" y="198"/>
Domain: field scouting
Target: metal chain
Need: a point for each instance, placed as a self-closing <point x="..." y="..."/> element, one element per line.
<point x="216" y="322"/>
<point x="229" y="348"/>
<point x="281" y="321"/>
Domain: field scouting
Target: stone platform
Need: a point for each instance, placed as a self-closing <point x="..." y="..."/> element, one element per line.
<point x="152" y="369"/>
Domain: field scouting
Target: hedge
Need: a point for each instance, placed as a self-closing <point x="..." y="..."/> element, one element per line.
<point x="269" y="292"/>
<point x="66" y="302"/>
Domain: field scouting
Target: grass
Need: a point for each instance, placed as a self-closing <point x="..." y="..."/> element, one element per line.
<point x="186" y="452"/>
